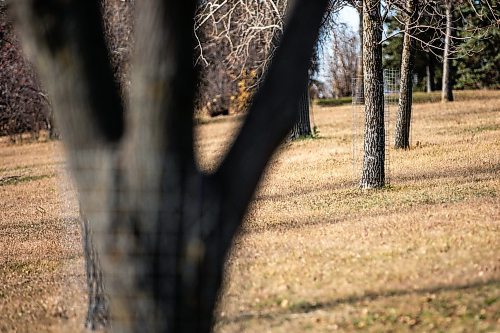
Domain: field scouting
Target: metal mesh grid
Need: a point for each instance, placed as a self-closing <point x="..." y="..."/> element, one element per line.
<point x="391" y="100"/>
<point x="358" y="123"/>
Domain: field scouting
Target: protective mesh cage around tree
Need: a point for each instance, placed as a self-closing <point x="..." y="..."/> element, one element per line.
<point x="391" y="98"/>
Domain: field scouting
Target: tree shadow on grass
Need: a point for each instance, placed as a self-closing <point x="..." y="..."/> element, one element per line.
<point x="307" y="307"/>
<point x="287" y="225"/>
<point x="397" y="179"/>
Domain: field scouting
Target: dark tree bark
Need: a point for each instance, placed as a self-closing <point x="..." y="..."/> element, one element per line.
<point x="403" y="121"/>
<point x="374" y="141"/>
<point x="302" y="127"/>
<point x="447" y="89"/>
<point x="162" y="228"/>
<point x="98" y="307"/>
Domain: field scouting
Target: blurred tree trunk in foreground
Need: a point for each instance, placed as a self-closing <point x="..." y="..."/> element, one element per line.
<point x="98" y="308"/>
<point x="162" y="228"/>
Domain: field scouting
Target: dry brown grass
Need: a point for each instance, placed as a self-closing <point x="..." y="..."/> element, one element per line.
<point x="314" y="254"/>
<point x="41" y="277"/>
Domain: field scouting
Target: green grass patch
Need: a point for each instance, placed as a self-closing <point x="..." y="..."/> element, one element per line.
<point x="419" y="97"/>
<point x="397" y="197"/>
<point x="334" y="101"/>
<point x="29" y="268"/>
<point x="205" y="120"/>
<point x="482" y="128"/>
<point x="15" y="180"/>
<point x="31" y="166"/>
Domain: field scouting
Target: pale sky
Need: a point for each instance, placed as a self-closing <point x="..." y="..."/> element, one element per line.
<point x="347" y="15"/>
<point x="350" y="16"/>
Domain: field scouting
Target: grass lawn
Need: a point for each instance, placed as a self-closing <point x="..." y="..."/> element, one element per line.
<point x="314" y="253"/>
<point x="418" y="97"/>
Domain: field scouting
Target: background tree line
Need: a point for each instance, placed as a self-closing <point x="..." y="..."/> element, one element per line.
<point x="475" y="60"/>
<point x="24" y="105"/>
<point x="234" y="42"/>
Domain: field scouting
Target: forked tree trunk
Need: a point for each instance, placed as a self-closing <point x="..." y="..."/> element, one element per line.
<point x="374" y="139"/>
<point x="302" y="127"/>
<point x="447" y="89"/>
<point x="403" y="121"/>
<point x="162" y="227"/>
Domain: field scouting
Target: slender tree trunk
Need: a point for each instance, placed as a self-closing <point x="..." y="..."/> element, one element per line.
<point x="403" y="122"/>
<point x="162" y="227"/>
<point x="447" y="89"/>
<point x="51" y="125"/>
<point x="374" y="141"/>
<point x="302" y="127"/>
<point x="429" y="72"/>
<point x="428" y="78"/>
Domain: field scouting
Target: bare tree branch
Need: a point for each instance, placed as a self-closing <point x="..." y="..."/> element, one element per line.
<point x="273" y="111"/>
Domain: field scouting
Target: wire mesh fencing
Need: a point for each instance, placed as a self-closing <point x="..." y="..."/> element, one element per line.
<point x="390" y="87"/>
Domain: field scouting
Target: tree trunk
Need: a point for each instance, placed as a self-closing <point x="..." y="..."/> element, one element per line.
<point x="302" y="127"/>
<point x="374" y="141"/>
<point x="51" y="126"/>
<point x="430" y="74"/>
<point x="403" y="121"/>
<point x="98" y="309"/>
<point x="447" y="89"/>
<point x="162" y="228"/>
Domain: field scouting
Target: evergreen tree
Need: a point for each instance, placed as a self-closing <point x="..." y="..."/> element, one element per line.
<point x="478" y="59"/>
